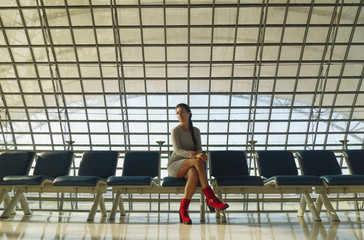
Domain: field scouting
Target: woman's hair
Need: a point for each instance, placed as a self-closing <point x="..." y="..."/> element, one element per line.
<point x="185" y="106"/>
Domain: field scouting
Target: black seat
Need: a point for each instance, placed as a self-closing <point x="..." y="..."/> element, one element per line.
<point x="49" y="165"/>
<point x="13" y="163"/>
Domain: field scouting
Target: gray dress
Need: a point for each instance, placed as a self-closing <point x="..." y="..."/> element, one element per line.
<point x="182" y="144"/>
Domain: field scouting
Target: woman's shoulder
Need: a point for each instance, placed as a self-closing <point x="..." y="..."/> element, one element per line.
<point x="176" y="129"/>
<point x="196" y="129"/>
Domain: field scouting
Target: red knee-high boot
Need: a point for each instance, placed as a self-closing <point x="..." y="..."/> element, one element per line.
<point x="183" y="211"/>
<point x="212" y="201"/>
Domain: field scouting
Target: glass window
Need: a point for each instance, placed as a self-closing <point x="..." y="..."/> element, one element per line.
<point x="202" y="16"/>
<point x="94" y="100"/>
<point x="98" y="127"/>
<point x="225" y="16"/>
<point x="101" y="139"/>
<point x="157" y="101"/>
<point x="178" y="35"/>
<point x="93" y="85"/>
<point x="128" y="16"/>
<point x="218" y="114"/>
<point x="102" y="17"/>
<point x="153" y="36"/>
<point x="57" y="17"/>
<point x="224" y="35"/>
<point x="180" y="85"/>
<point x="175" y="16"/>
<point x="177" y="53"/>
<point x="157" y="114"/>
<point x="199" y="35"/>
<point x="219" y="100"/>
<point x="96" y="114"/>
<point x="79" y="127"/>
<point x="87" y="54"/>
<point x="80" y="17"/>
<point x="218" y="127"/>
<point x="249" y="15"/>
<point x="82" y="78"/>
<point x="216" y="140"/>
<point x="152" y="16"/>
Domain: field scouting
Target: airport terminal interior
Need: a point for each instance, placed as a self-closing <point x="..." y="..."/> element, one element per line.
<point x="106" y="76"/>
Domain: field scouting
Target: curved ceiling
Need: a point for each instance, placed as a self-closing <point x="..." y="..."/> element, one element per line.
<point x="107" y="74"/>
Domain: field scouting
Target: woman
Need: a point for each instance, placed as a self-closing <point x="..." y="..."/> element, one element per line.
<point x="187" y="161"/>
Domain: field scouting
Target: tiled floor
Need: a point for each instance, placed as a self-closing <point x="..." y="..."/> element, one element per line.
<point x="54" y="225"/>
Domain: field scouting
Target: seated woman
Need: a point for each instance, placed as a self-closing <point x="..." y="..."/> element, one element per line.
<point x="187" y="161"/>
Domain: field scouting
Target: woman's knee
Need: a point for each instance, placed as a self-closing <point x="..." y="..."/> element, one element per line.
<point x="199" y="162"/>
<point x="192" y="173"/>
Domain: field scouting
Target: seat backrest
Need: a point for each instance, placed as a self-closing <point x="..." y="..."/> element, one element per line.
<point x="228" y="163"/>
<point x="15" y="162"/>
<point x="355" y="161"/>
<point x="271" y="163"/>
<point x="53" y="163"/>
<point x="318" y="162"/>
<point x="141" y="164"/>
<point x="98" y="163"/>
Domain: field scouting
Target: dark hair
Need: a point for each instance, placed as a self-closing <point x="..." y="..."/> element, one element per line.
<point x="185" y="106"/>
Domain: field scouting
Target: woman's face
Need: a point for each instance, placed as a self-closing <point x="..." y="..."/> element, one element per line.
<point x="183" y="115"/>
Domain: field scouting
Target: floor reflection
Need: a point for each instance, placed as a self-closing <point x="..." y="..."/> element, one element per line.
<point x="318" y="230"/>
<point x="42" y="225"/>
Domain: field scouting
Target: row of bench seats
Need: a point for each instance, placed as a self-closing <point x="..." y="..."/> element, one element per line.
<point x="229" y="170"/>
<point x="96" y="173"/>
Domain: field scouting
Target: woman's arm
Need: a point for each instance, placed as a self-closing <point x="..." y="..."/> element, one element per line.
<point x="199" y="154"/>
<point x="177" y="148"/>
<point x="198" y="147"/>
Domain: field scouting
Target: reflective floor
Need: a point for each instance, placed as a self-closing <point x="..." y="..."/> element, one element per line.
<point x="54" y="225"/>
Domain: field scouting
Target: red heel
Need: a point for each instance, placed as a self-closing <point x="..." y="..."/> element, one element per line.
<point x="212" y="209"/>
<point x="183" y="211"/>
<point x="212" y="201"/>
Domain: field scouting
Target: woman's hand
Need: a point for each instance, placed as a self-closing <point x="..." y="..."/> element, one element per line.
<point x="193" y="153"/>
<point x="202" y="156"/>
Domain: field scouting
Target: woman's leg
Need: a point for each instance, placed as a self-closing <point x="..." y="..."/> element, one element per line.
<point x="212" y="201"/>
<point x="192" y="179"/>
<point x="198" y="165"/>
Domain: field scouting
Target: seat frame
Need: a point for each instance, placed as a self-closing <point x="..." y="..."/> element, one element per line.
<point x="47" y="187"/>
<point x="5" y="190"/>
<point x="326" y="189"/>
<point x="153" y="188"/>
<point x="270" y="187"/>
<point x="20" y="196"/>
<point x="118" y="202"/>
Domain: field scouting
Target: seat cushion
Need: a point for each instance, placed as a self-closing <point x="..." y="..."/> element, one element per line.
<point x="24" y="180"/>
<point x="239" y="181"/>
<point x="174" y="182"/>
<point x="130" y="181"/>
<point x="342" y="180"/>
<point x="289" y="180"/>
<point x="77" y="181"/>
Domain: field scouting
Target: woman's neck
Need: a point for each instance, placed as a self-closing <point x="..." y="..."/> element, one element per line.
<point x="184" y="127"/>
